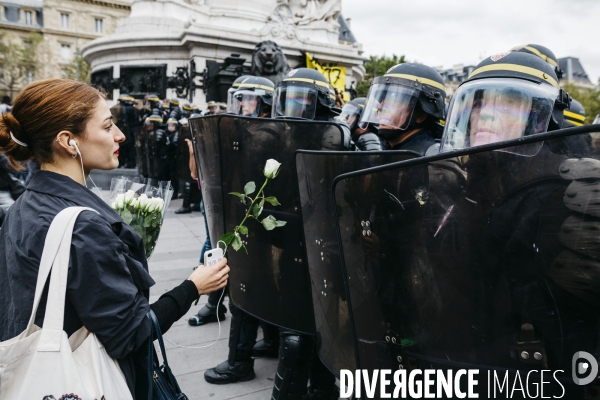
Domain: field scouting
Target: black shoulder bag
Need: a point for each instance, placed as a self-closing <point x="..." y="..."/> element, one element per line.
<point x="163" y="383"/>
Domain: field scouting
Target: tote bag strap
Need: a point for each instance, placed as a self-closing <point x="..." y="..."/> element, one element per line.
<point x="57" y="238"/>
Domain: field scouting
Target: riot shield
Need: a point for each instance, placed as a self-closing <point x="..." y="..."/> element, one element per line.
<point x="271" y="282"/>
<point x="316" y="171"/>
<point x="477" y="259"/>
<point x="205" y="135"/>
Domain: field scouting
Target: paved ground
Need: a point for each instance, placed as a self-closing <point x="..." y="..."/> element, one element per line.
<point x="175" y="255"/>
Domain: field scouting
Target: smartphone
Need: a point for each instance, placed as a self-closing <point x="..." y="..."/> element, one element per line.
<point x="213" y="256"/>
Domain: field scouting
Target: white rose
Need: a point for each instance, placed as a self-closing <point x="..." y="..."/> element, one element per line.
<point x="151" y="206"/>
<point x="113" y="205"/>
<point x="119" y="201"/>
<point x="143" y="201"/>
<point x="271" y="168"/>
<point x="129" y="195"/>
<point x="135" y="203"/>
<point x="160" y="204"/>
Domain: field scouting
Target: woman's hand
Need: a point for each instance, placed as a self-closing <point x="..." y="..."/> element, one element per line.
<point x="192" y="164"/>
<point x="212" y="278"/>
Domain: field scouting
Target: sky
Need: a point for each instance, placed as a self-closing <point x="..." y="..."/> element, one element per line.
<point x="449" y="32"/>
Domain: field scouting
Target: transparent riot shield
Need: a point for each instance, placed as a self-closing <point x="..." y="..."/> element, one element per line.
<point x="205" y="136"/>
<point x="477" y="259"/>
<point x="316" y="171"/>
<point x="271" y="282"/>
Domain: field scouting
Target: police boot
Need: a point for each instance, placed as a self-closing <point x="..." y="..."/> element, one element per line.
<point x="208" y="313"/>
<point x="268" y="346"/>
<point x="322" y="382"/>
<point x="295" y="357"/>
<point x="186" y="195"/>
<point x="242" y="370"/>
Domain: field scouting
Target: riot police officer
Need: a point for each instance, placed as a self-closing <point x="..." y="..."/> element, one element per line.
<point x="125" y="117"/>
<point x="172" y="153"/>
<point x="186" y="110"/>
<point x="254" y="97"/>
<point x="175" y="109"/>
<point x="213" y="108"/>
<point x="222" y="108"/>
<point x="232" y="104"/>
<point x="407" y="104"/>
<point x="303" y="94"/>
<point x="195" y="111"/>
<point x="363" y="139"/>
<point x="505" y="100"/>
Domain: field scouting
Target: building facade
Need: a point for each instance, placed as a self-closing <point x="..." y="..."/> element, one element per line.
<point x="64" y="25"/>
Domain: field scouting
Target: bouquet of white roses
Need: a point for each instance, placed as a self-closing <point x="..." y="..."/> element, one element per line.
<point x="142" y="206"/>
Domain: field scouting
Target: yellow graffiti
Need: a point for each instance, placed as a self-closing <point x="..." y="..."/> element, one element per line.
<point x="334" y="75"/>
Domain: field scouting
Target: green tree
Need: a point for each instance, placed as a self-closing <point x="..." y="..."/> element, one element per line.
<point x="376" y="66"/>
<point x="19" y="61"/>
<point x="589" y="99"/>
<point x="78" y="70"/>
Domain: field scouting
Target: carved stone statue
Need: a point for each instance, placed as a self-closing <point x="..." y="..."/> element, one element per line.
<point x="324" y="12"/>
<point x="269" y="61"/>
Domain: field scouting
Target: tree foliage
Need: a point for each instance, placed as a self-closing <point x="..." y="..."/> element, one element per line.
<point x="376" y="66"/>
<point x="85" y="71"/>
<point x="589" y="99"/>
<point x="19" y="61"/>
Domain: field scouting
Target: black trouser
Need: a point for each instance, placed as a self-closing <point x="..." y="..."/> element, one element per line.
<point x="244" y="328"/>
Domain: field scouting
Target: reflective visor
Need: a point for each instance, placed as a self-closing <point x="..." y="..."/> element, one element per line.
<point x="295" y="101"/>
<point x="249" y="102"/>
<point x="350" y="113"/>
<point x="494" y="110"/>
<point x="233" y="104"/>
<point x="390" y="105"/>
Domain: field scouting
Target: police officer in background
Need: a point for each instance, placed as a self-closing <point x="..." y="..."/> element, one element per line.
<point x="172" y="153"/>
<point x="126" y="119"/>
<point x="222" y="108"/>
<point x="213" y="108"/>
<point x="407" y="105"/>
<point x="176" y="111"/>
<point x="186" y="110"/>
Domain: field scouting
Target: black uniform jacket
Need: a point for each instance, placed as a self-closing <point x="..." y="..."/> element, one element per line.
<point x="108" y="282"/>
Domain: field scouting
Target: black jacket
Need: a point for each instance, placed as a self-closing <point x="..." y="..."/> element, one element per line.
<point x="108" y="282"/>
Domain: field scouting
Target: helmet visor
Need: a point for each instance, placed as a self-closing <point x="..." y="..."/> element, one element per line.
<point x="494" y="110"/>
<point x="389" y="105"/>
<point x="350" y="113"/>
<point x="295" y="101"/>
<point x="233" y="104"/>
<point x="249" y="102"/>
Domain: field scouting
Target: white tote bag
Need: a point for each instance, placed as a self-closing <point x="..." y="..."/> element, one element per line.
<point x="44" y="363"/>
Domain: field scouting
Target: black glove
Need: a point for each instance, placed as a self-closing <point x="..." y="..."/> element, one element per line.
<point x="368" y="142"/>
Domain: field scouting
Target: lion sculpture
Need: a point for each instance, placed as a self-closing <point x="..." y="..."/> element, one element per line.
<point x="269" y="61"/>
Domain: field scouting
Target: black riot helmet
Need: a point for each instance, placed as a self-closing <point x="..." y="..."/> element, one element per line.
<point x="352" y="111"/>
<point x="507" y="96"/>
<point x="154" y="101"/>
<point x="394" y="97"/>
<point x="126" y="99"/>
<point x="544" y="53"/>
<point x="254" y="96"/>
<point x="232" y="105"/>
<point x="303" y="93"/>
<point x="186" y="110"/>
<point x="574" y="115"/>
<point x="154" y="121"/>
<point x="174" y="102"/>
